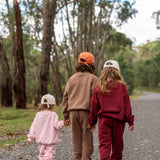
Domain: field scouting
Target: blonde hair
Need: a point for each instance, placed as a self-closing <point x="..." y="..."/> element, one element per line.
<point x="45" y="107"/>
<point x="109" y="73"/>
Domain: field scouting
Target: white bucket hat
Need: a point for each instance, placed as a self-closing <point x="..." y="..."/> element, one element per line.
<point x="48" y="99"/>
<point x="112" y="63"/>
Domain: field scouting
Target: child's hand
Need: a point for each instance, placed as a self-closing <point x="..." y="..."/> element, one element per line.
<point x="91" y="127"/>
<point x="67" y="122"/>
<point x="131" y="128"/>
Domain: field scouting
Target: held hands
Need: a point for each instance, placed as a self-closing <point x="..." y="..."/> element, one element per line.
<point x="131" y="128"/>
<point x="67" y="122"/>
<point x="29" y="141"/>
<point x="91" y="127"/>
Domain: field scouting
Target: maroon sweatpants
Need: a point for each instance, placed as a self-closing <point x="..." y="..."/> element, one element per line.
<point x="110" y="135"/>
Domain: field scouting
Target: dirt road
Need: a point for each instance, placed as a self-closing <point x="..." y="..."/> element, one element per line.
<point x="141" y="144"/>
<point x="144" y="142"/>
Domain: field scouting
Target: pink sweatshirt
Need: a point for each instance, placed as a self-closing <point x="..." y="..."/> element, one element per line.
<point x="44" y="128"/>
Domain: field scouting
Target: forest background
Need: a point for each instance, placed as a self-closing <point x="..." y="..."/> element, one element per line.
<point x="35" y="59"/>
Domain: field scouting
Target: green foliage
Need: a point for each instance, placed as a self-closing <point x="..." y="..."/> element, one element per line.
<point x="146" y="73"/>
<point x="156" y="16"/>
<point x="126" y="71"/>
<point x="32" y="61"/>
<point x="116" y="42"/>
<point x="147" y="67"/>
<point x="125" y="12"/>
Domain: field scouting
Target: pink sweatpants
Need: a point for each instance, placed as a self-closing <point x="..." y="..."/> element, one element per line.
<point x="46" y="152"/>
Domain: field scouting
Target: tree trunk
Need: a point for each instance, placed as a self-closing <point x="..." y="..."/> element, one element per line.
<point x="57" y="82"/>
<point x="55" y="66"/>
<point x="21" y="89"/>
<point x="6" y="82"/>
<point x="49" y="11"/>
<point x="13" y="68"/>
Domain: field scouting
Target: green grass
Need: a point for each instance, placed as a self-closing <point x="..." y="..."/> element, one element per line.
<point x="148" y="89"/>
<point x="18" y="139"/>
<point x="136" y="94"/>
<point x="14" y="120"/>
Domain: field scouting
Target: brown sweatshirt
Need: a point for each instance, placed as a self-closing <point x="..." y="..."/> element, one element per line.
<point x="78" y="92"/>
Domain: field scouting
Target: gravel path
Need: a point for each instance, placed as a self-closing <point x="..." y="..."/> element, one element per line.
<point x="141" y="144"/>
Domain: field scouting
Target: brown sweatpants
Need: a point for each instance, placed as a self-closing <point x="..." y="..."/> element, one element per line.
<point x="82" y="138"/>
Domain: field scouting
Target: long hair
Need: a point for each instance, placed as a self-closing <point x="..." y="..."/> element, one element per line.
<point x="109" y="73"/>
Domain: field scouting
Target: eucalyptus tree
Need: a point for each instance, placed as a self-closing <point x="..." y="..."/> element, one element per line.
<point x="6" y="69"/>
<point x="6" y="82"/>
<point x="48" y="15"/>
<point x="9" y="22"/>
<point x="156" y="16"/>
<point x="50" y="48"/>
<point x="87" y="24"/>
<point x="12" y="19"/>
<point x="20" y="75"/>
<point x="42" y="15"/>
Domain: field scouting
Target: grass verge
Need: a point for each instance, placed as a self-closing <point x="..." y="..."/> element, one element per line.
<point x="136" y="94"/>
<point x="148" y="89"/>
<point x="15" y="123"/>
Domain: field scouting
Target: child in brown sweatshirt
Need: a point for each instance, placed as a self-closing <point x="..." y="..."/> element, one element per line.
<point x="76" y="100"/>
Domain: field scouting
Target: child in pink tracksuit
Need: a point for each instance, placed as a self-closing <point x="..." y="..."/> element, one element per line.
<point x="44" y="129"/>
<point x="110" y="104"/>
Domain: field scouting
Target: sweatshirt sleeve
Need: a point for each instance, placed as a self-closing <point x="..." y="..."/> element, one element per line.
<point x="129" y="117"/>
<point x="58" y="124"/>
<point x="65" y="102"/>
<point x="31" y="135"/>
<point x="93" y="117"/>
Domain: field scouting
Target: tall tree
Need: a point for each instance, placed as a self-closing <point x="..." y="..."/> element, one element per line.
<point x="21" y="89"/>
<point x="11" y="25"/>
<point x="6" y="82"/>
<point x="156" y="16"/>
<point x="49" y="11"/>
<point x="55" y="67"/>
<point x="90" y="25"/>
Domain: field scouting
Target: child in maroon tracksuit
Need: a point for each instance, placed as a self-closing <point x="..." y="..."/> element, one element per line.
<point x="110" y="104"/>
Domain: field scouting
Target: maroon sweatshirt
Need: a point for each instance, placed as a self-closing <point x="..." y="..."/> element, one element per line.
<point x="115" y="104"/>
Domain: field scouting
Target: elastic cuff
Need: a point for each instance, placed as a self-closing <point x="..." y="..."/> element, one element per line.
<point x="29" y="139"/>
<point x="130" y="123"/>
<point x="66" y="117"/>
<point x="62" y="123"/>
